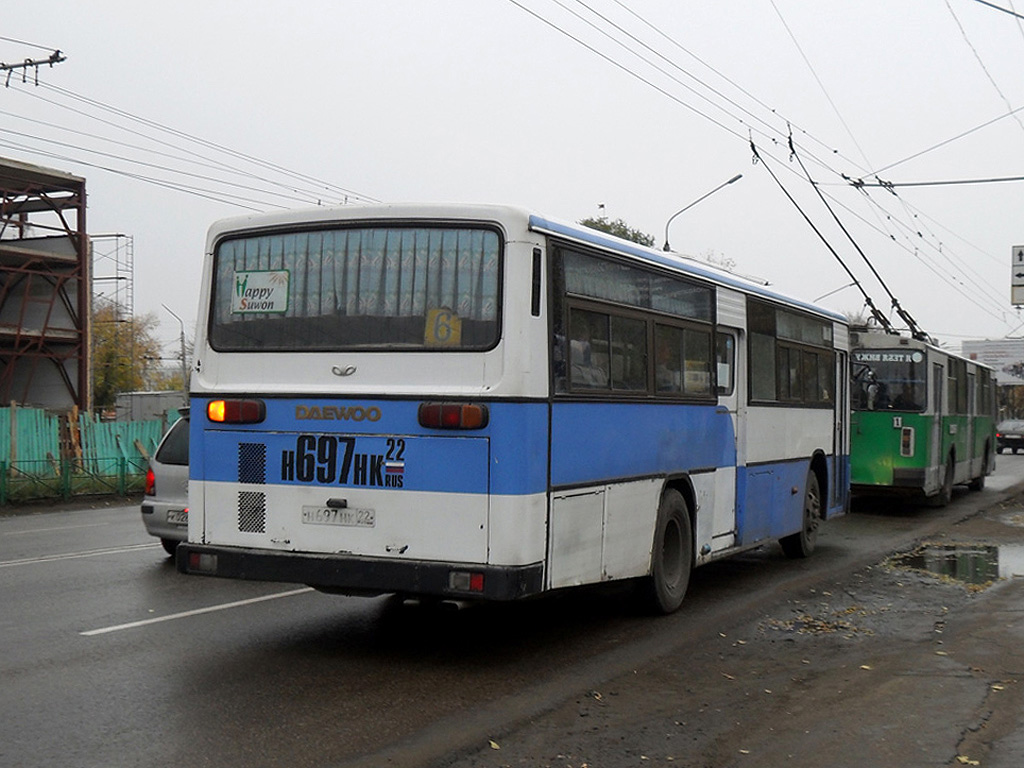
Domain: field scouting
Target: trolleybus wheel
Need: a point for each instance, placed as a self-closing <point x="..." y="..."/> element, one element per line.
<point x="802" y="543"/>
<point x="672" y="554"/>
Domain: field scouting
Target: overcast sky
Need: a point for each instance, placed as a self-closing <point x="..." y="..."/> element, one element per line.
<point x="639" y="106"/>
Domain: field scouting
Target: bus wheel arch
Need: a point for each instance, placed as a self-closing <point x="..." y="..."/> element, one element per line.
<point x="803" y="543"/>
<point x="672" y="555"/>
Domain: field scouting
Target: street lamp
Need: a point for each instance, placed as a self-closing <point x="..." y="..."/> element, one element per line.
<point x="184" y="367"/>
<point x="737" y="177"/>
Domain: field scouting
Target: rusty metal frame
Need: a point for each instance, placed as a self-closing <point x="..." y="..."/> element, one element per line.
<point x="51" y="205"/>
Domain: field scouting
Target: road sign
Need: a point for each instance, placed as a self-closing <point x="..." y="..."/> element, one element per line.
<point x="1017" y="275"/>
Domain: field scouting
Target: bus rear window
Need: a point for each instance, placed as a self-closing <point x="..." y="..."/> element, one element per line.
<point x="357" y="288"/>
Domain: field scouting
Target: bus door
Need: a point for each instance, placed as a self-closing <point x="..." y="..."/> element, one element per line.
<point x="730" y="369"/>
<point x="972" y="413"/>
<point x="936" y="461"/>
<point x="841" y="465"/>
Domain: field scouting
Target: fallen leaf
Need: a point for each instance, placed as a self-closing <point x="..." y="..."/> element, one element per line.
<point x="865" y="666"/>
<point x="494" y="744"/>
<point x="727" y="676"/>
<point x="964" y="760"/>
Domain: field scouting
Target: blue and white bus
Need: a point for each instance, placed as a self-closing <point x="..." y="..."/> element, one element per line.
<point x="478" y="402"/>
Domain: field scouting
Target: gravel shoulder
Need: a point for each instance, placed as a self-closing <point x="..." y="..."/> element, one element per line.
<point x="889" y="666"/>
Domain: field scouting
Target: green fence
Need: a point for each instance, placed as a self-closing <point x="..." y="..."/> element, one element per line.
<point x="59" y="456"/>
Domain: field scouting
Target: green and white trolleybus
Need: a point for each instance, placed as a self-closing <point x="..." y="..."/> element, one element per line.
<point x="923" y="418"/>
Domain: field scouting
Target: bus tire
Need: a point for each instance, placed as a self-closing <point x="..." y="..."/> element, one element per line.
<point x="671" y="555"/>
<point x="802" y="543"/>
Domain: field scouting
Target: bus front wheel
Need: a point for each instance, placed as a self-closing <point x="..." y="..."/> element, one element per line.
<point x="802" y="543"/>
<point x="671" y="556"/>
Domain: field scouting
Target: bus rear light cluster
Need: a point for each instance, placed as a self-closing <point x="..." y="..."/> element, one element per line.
<point x="453" y="415"/>
<point x="201" y="562"/>
<point x="465" y="581"/>
<point x="236" y="411"/>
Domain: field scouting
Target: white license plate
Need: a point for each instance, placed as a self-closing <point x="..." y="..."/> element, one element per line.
<point x="353" y="518"/>
<point x="177" y="516"/>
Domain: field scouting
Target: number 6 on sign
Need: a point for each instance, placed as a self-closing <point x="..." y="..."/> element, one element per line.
<point x="444" y="328"/>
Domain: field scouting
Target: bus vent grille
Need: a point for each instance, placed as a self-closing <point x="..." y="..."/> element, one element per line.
<point x="252" y="512"/>
<point x="252" y="463"/>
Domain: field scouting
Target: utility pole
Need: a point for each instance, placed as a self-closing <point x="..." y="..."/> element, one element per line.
<point x="184" y="366"/>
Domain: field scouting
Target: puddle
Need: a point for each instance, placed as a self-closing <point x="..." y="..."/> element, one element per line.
<point x="967" y="563"/>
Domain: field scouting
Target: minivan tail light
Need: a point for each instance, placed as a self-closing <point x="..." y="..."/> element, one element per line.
<point x="453" y="415"/>
<point x="236" y="411"/>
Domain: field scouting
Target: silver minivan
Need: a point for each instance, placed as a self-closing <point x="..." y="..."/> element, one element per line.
<point x="165" y="506"/>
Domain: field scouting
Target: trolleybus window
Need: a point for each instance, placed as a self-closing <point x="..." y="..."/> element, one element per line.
<point x="357" y="288"/>
<point x="889" y="379"/>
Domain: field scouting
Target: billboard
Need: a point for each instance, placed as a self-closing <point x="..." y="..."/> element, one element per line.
<point x="1006" y="356"/>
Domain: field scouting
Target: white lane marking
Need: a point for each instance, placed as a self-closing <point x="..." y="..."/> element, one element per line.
<point x="55" y="528"/>
<point x="76" y="555"/>
<point x="196" y="612"/>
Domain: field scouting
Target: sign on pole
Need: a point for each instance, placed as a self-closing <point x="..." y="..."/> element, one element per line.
<point x="1017" y="276"/>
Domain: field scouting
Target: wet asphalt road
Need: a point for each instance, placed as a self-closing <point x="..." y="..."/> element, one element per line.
<point x="109" y="657"/>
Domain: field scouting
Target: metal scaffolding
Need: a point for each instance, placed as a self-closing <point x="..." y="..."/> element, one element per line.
<point x="45" y="293"/>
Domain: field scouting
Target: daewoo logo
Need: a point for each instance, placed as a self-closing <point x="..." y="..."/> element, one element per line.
<point x="339" y="412"/>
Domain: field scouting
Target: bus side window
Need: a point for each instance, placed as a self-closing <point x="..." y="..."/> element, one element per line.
<point x="588" y="349"/>
<point x="725" y="362"/>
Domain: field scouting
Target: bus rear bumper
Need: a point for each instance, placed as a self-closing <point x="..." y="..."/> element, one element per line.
<point x="350" y="574"/>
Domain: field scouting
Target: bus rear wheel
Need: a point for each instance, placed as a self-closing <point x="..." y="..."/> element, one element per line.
<point x="671" y="556"/>
<point x="802" y="543"/>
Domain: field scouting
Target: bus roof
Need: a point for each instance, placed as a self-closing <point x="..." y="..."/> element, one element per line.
<point x="672" y="261"/>
<point x="538" y="223"/>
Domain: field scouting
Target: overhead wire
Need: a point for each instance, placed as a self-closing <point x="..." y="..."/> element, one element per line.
<point x="189" y="156"/>
<point x="718" y="73"/>
<point x="981" y="63"/>
<point x="210" y="144"/>
<point x="157" y="167"/>
<point x="946" y="142"/>
<point x="914" y="249"/>
<point x="875" y="312"/>
<point x="821" y="85"/>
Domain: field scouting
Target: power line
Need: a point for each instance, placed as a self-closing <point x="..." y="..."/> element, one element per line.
<point x="1000" y="8"/>
<point x="981" y="63"/>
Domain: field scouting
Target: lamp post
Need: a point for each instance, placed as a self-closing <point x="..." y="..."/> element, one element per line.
<point x="737" y="177"/>
<point x="184" y="367"/>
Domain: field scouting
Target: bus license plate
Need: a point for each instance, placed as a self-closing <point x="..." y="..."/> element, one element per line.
<point x="355" y="518"/>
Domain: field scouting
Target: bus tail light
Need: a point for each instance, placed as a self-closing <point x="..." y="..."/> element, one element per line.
<point x="236" y="411"/>
<point x="453" y="415"/>
<point x="201" y="562"/>
<point x="907" y="441"/>
<point x="465" y="581"/>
